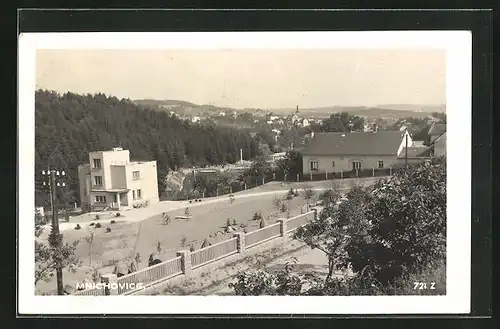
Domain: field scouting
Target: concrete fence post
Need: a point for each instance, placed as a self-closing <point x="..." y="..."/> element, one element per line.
<point x="342" y="174"/>
<point x="298" y="177"/>
<point x="245" y="186"/>
<point x="263" y="180"/>
<point x="185" y="261"/>
<point x="240" y="242"/>
<point x="373" y="172"/>
<point x="112" y="284"/>
<point x="326" y="176"/>
<point x="310" y="176"/>
<point x="283" y="228"/>
<point x="357" y="173"/>
<point x="274" y="176"/>
<point x="390" y="171"/>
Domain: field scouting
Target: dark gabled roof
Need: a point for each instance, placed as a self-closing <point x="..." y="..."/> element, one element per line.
<point x="355" y="143"/>
<point x="416" y="152"/>
<point x="437" y="129"/>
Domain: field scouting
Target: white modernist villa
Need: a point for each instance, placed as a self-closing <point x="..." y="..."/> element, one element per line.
<point x="111" y="181"/>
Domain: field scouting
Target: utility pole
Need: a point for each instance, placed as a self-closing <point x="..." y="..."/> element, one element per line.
<point x="55" y="238"/>
<point x="406" y="149"/>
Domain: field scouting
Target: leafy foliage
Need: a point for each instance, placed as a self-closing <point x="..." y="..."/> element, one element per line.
<point x="407" y="215"/>
<point x="388" y="234"/>
<point x="259" y="169"/>
<point x="342" y="122"/>
<point x="49" y="258"/>
<point x="291" y="164"/>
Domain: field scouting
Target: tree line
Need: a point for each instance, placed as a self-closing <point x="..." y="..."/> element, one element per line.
<point x="69" y="126"/>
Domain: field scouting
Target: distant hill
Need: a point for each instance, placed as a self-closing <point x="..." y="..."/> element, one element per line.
<point x="396" y="111"/>
<point x="414" y="107"/>
<point x="368" y="112"/>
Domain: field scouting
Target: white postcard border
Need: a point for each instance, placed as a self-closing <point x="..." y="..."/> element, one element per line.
<point x="458" y="45"/>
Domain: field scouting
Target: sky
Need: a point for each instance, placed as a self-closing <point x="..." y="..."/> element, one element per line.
<point x="246" y="78"/>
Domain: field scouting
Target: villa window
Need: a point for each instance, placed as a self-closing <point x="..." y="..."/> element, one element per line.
<point x="97" y="163"/>
<point x="98" y="180"/>
<point x="381" y="164"/>
<point x="356" y="165"/>
<point x="139" y="194"/>
<point x="133" y="194"/>
<point x="100" y="199"/>
<point x="314" y="165"/>
<point x="136" y="175"/>
<point x="333" y="164"/>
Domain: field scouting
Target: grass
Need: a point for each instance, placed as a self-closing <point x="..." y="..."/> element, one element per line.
<point x="126" y="239"/>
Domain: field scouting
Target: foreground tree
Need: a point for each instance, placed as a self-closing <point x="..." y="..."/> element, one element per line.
<point x="407" y="216"/>
<point x="49" y="257"/>
<point x="388" y="234"/>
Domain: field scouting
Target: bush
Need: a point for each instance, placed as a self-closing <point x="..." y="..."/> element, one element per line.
<point x="97" y="217"/>
<point x="77" y="227"/>
<point x="257" y="216"/>
<point x="407" y="216"/>
<point x="117" y="214"/>
<point x="112" y="221"/>
<point x="108" y="229"/>
<point x="98" y="225"/>
<point x="92" y="224"/>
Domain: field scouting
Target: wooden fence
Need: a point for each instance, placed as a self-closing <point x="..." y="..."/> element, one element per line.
<point x="187" y="261"/>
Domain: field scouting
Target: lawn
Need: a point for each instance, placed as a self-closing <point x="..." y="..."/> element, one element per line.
<point x="129" y="238"/>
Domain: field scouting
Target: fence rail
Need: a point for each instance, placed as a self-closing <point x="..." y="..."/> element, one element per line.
<point x="151" y="274"/>
<point x="256" y="237"/>
<point x="187" y="261"/>
<point x="295" y="222"/>
<point x="213" y="252"/>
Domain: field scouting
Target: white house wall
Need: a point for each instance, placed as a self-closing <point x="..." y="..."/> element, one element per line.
<point x="344" y="163"/>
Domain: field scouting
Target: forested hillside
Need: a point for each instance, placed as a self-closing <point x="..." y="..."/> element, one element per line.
<point x="69" y="126"/>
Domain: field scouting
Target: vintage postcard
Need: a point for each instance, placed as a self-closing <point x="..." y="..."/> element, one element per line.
<point x="265" y="173"/>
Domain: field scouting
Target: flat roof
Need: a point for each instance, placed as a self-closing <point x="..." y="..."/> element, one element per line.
<point x="111" y="190"/>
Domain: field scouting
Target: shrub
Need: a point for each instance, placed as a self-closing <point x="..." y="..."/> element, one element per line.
<point x="92" y="224"/>
<point x="108" y="229"/>
<point x="257" y="216"/>
<point x="112" y="221"/>
<point x="407" y="216"/>
<point x="77" y="227"/>
<point x="117" y="214"/>
<point x="97" y="217"/>
<point x="98" y="225"/>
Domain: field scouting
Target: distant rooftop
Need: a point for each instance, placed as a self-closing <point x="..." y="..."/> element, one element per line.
<point x="437" y="128"/>
<point x="354" y="143"/>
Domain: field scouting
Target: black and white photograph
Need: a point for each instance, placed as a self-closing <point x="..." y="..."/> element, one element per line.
<point x="212" y="166"/>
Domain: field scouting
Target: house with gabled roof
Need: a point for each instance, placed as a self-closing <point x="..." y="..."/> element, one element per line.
<point x="435" y="131"/>
<point x="439" y="146"/>
<point x="336" y="151"/>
